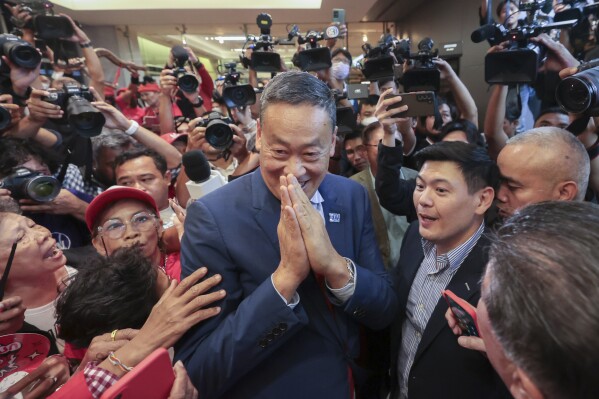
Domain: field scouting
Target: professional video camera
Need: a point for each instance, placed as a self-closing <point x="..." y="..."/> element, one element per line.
<point x="27" y="184"/>
<point x="46" y="25"/>
<point x="86" y="120"/>
<point x="382" y="58"/>
<point x="519" y="62"/>
<point x="423" y="75"/>
<point x="579" y="93"/>
<point x="218" y="132"/>
<point x="19" y="52"/>
<point x="313" y="58"/>
<point x="263" y="58"/>
<point x="186" y="81"/>
<point x="234" y="94"/>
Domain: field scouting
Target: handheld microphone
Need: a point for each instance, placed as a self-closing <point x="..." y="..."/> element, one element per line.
<point x="483" y="33"/>
<point x="202" y="179"/>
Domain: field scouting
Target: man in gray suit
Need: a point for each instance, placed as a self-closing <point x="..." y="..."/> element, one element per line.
<point x="388" y="228"/>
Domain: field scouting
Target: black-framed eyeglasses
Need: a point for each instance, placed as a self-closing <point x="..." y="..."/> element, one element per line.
<point x="115" y="228"/>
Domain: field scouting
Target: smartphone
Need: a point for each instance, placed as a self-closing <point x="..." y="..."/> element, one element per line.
<point x="152" y="378"/>
<point x="464" y="312"/>
<point x="357" y="91"/>
<point x="339" y="15"/>
<point x="420" y="103"/>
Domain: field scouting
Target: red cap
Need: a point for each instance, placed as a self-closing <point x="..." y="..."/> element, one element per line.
<point x="112" y="195"/>
<point x="148" y="87"/>
<point x="171" y="137"/>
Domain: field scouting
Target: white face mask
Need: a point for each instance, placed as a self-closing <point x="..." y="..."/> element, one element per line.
<point x="368" y="121"/>
<point x="340" y="70"/>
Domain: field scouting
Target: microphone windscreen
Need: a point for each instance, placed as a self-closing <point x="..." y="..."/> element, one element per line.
<point x="483" y="33"/>
<point x="196" y="166"/>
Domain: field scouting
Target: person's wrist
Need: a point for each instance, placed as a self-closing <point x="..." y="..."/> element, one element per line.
<point x="85" y="43"/>
<point x="130" y="128"/>
<point x="339" y="275"/>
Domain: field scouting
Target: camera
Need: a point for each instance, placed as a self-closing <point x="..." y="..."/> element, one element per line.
<point x="381" y="59"/>
<point x="186" y="81"/>
<point x="27" y="184"/>
<point x="86" y="120"/>
<point x="313" y="58"/>
<point x="19" y="52"/>
<point x="234" y="94"/>
<point x="263" y="58"/>
<point x="5" y="118"/>
<point x="578" y="93"/>
<point x="218" y="132"/>
<point x="520" y="61"/>
<point x="46" y="25"/>
<point x="423" y="75"/>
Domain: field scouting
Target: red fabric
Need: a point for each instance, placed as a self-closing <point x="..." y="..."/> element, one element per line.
<point x="76" y="387"/>
<point x="173" y="265"/>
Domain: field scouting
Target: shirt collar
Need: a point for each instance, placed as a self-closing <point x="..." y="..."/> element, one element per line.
<point x="456" y="256"/>
<point x="316" y="198"/>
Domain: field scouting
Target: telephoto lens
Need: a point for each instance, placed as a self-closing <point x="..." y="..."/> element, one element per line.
<point x="26" y="184"/>
<point x="85" y="119"/>
<point x="218" y="132"/>
<point x="19" y="51"/>
<point x="577" y="94"/>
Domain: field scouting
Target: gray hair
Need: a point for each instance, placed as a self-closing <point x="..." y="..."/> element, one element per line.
<point x="112" y="139"/>
<point x="542" y="295"/>
<point x="298" y="88"/>
<point x="572" y="160"/>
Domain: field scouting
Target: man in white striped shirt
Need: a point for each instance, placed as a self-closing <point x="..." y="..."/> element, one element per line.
<point x="443" y="250"/>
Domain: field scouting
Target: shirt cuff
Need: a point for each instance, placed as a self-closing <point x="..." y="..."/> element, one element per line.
<point x="98" y="379"/>
<point x="341" y="295"/>
<point x="294" y="299"/>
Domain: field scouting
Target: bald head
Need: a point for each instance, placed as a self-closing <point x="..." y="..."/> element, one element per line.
<point x="542" y="164"/>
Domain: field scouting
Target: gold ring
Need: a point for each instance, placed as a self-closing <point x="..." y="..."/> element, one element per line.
<point x="113" y="335"/>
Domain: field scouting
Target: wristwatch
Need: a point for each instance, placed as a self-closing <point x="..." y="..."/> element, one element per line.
<point x="199" y="103"/>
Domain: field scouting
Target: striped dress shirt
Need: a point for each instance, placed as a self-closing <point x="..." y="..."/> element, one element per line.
<point x="433" y="276"/>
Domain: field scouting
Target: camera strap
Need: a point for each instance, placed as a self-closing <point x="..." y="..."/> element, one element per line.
<point x="579" y="125"/>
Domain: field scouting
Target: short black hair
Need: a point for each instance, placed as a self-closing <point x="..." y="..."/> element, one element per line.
<point x="372" y="99"/>
<point x="343" y="51"/>
<point x="465" y="126"/>
<point x="551" y="110"/>
<point x="114" y="292"/>
<point x="158" y="159"/>
<point x="478" y="169"/>
<point x="15" y="152"/>
<point x="354" y="134"/>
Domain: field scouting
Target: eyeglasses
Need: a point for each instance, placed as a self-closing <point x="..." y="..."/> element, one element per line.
<point x="115" y="228"/>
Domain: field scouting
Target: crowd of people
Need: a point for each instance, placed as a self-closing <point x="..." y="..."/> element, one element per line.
<point x="322" y="267"/>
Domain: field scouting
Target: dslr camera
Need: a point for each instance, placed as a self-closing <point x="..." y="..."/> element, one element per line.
<point x="186" y="81"/>
<point x="86" y="120"/>
<point x="27" y="184"/>
<point x="579" y="93"/>
<point x="19" y="52"/>
<point x="218" y="132"/>
<point x="234" y="94"/>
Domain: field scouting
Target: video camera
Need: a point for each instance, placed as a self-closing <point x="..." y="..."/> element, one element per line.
<point x="313" y="58"/>
<point x="46" y="25"/>
<point x="27" y="184"/>
<point x="382" y="58"/>
<point x="263" y="58"/>
<point x="186" y="81"/>
<point x="234" y="94"/>
<point x="85" y="119"/>
<point x="519" y="62"/>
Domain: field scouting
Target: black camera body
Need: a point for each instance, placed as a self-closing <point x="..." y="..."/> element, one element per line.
<point x="186" y="81"/>
<point x="46" y="25"/>
<point x="263" y="58"/>
<point x="313" y="58"/>
<point x="381" y="58"/>
<point x="579" y="93"/>
<point x="27" y="184"/>
<point x="218" y="132"/>
<point x="19" y="52"/>
<point x="423" y="75"/>
<point x="234" y="94"/>
<point x="86" y="120"/>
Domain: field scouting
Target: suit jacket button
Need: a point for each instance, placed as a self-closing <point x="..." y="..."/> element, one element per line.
<point x="359" y="313"/>
<point x="276" y="331"/>
<point x="270" y="337"/>
<point x="283" y="327"/>
<point x="263" y="343"/>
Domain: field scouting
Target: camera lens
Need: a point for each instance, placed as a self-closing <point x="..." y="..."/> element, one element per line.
<point x="575" y="95"/>
<point x="188" y="83"/>
<point x="42" y="188"/>
<point x="219" y="135"/>
<point x="239" y="96"/>
<point x="24" y="56"/>
<point x="84" y="118"/>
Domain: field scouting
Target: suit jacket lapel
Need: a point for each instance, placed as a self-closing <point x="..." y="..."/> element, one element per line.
<point x="465" y="284"/>
<point x="267" y="208"/>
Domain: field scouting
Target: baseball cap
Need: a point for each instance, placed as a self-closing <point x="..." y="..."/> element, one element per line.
<point x="148" y="87"/>
<point x="112" y="195"/>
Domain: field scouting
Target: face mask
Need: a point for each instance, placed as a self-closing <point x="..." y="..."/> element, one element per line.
<point x="368" y="121"/>
<point x="340" y="70"/>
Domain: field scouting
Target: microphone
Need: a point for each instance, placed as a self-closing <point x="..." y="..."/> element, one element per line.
<point x="202" y="179"/>
<point x="483" y="33"/>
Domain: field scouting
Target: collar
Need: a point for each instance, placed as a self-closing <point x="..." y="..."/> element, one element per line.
<point x="316" y="198"/>
<point x="454" y="258"/>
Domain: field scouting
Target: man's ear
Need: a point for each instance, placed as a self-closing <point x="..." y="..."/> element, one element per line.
<point x="97" y="243"/>
<point x="522" y="387"/>
<point x="259" y="135"/>
<point x="333" y="142"/>
<point x="168" y="177"/>
<point x="484" y="200"/>
<point x="567" y="190"/>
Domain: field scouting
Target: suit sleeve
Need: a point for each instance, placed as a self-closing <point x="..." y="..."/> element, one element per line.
<point x="374" y="302"/>
<point x="250" y="327"/>
<point x="395" y="194"/>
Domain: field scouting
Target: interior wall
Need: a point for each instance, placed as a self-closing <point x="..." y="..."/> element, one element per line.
<point x="449" y="21"/>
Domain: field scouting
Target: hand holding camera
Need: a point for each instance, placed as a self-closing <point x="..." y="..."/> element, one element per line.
<point x="39" y="110"/>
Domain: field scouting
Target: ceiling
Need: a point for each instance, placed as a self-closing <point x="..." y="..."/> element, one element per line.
<point x="205" y="23"/>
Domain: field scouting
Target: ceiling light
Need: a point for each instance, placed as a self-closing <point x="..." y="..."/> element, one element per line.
<point x="230" y="38"/>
